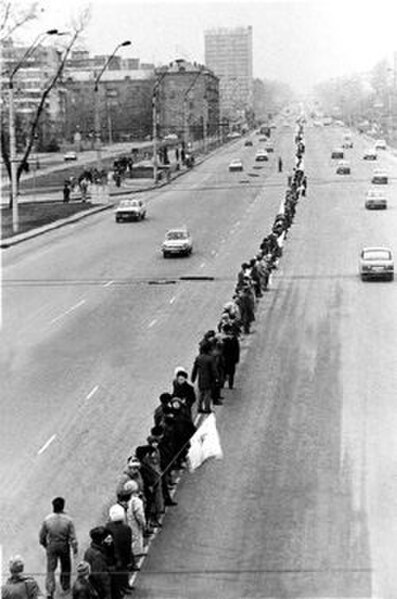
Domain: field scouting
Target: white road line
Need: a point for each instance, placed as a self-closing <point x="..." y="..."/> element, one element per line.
<point x="213" y="252"/>
<point x="202" y="265"/>
<point x="152" y="323"/>
<point x="80" y="303"/>
<point x="108" y="283"/>
<point x="92" y="392"/>
<point x="172" y="300"/>
<point x="237" y="223"/>
<point x="47" y="444"/>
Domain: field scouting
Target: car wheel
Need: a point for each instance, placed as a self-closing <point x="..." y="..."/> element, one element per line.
<point x="391" y="277"/>
<point x="165" y="255"/>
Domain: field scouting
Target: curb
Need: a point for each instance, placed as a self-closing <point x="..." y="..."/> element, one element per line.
<point x="11" y="241"/>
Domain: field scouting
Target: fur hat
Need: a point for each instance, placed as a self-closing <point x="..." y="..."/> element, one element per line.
<point x="98" y="534"/>
<point x="83" y="569"/>
<point x="117" y="513"/>
<point x="16" y="564"/>
<point x="180" y="371"/>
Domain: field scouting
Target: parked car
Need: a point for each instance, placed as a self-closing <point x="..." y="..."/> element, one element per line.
<point x="380" y="144"/>
<point x="343" y="168"/>
<point x="70" y="156"/>
<point x="130" y="210"/>
<point x="379" y="177"/>
<point x="370" y="154"/>
<point x="248" y="142"/>
<point x="177" y="242"/>
<point x="269" y="147"/>
<point x="376" y="263"/>
<point x="375" y="200"/>
<point x="337" y="153"/>
<point x="236" y="165"/>
<point x="347" y="141"/>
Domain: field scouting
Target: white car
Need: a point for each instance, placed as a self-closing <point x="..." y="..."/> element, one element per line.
<point x="379" y="177"/>
<point x="375" y="200"/>
<point x="370" y="154"/>
<point x="380" y="144"/>
<point x="343" y="168"/>
<point x="261" y="156"/>
<point x="236" y="165"/>
<point x="130" y="210"/>
<point x="347" y="141"/>
<point x="376" y="263"/>
<point x="177" y="242"/>
<point x="70" y="156"/>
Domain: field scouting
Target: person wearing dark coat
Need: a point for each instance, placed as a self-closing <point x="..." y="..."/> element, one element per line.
<point x="19" y="585"/>
<point x="95" y="555"/>
<point x="151" y="474"/>
<point x="184" y="429"/>
<point x="122" y="542"/>
<point x="247" y="307"/>
<point x="231" y="354"/>
<point x="204" y="370"/>
<point x="184" y="390"/>
<point x="160" y="411"/>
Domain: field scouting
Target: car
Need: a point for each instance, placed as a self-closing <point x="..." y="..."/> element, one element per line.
<point x="338" y="154"/>
<point x="343" y="168"/>
<point x="379" y="177"/>
<point x="171" y="137"/>
<point x="376" y="263"/>
<point x="261" y="156"/>
<point x="236" y="165"/>
<point x="70" y="156"/>
<point x="269" y="147"/>
<point x="375" y="200"/>
<point x="248" y="142"/>
<point x="347" y="141"/>
<point x="380" y="144"/>
<point x="370" y="154"/>
<point x="233" y="135"/>
<point x="177" y="242"/>
<point x="130" y="210"/>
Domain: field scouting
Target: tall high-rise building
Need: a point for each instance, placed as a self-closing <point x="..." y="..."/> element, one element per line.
<point x="228" y="53"/>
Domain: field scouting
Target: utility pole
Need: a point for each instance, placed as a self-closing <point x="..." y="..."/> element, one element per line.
<point x="154" y="131"/>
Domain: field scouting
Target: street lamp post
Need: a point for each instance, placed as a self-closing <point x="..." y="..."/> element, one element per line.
<point x="97" y="122"/>
<point x="13" y="151"/>
<point x="154" y="124"/>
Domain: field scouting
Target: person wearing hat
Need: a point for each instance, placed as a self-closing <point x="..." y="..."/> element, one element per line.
<point x="122" y="540"/>
<point x="183" y="389"/>
<point x="161" y="410"/>
<point x="231" y="353"/>
<point x="57" y="535"/>
<point x="131" y="472"/>
<point x="19" y="585"/>
<point x="82" y="587"/>
<point x="151" y="474"/>
<point x="136" y="518"/>
<point x="97" y="557"/>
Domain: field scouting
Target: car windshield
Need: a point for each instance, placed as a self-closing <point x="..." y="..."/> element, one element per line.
<point x="177" y="235"/>
<point x="375" y="194"/>
<point x="129" y="204"/>
<point x="377" y="255"/>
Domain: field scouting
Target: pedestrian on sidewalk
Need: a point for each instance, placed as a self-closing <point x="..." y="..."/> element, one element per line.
<point x="96" y="556"/>
<point x="66" y="191"/>
<point x="19" y="585"/>
<point x="204" y="370"/>
<point x="57" y="536"/>
<point x="280" y="164"/>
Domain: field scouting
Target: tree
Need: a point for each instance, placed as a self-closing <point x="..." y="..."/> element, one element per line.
<point x="78" y="26"/>
<point x="13" y="16"/>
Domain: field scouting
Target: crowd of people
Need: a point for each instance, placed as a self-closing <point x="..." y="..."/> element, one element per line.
<point x="146" y="486"/>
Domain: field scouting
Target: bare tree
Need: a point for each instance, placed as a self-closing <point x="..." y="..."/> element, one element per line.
<point x="13" y="16"/>
<point x="78" y="26"/>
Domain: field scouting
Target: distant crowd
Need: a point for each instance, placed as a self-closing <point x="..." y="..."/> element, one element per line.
<point x="147" y="484"/>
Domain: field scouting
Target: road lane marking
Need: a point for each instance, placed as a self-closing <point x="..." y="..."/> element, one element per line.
<point x="202" y="265"/>
<point x="46" y="445"/>
<point x="92" y="392"/>
<point x="213" y="252"/>
<point x="152" y="323"/>
<point x="80" y="303"/>
<point x="172" y="299"/>
<point x="108" y="283"/>
<point x="237" y="223"/>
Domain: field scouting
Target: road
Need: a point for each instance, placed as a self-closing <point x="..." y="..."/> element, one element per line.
<point x="303" y="503"/>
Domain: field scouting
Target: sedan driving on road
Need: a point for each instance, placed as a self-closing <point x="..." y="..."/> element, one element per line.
<point x="130" y="210"/>
<point x="347" y="141"/>
<point x="380" y="177"/>
<point x="375" y="200"/>
<point x="370" y="154"/>
<point x="337" y="153"/>
<point x="70" y="156"/>
<point x="380" y="144"/>
<point x="261" y="156"/>
<point x="236" y="165"/>
<point x="177" y="242"/>
<point x="376" y="263"/>
<point x="248" y="142"/>
<point x="343" y="168"/>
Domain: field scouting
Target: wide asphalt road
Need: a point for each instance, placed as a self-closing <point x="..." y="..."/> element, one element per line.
<point x="94" y="321"/>
<point x="304" y="502"/>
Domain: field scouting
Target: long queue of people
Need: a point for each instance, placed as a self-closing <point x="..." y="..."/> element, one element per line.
<point x="146" y="486"/>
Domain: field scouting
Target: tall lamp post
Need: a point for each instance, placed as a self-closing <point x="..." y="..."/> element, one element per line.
<point x="154" y="124"/>
<point x="97" y="113"/>
<point x="13" y="152"/>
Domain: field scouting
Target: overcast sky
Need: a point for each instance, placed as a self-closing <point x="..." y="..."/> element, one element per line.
<point x="297" y="42"/>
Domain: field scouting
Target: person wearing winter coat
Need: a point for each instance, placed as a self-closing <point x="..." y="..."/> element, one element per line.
<point x="184" y="390"/>
<point x="96" y="556"/>
<point x="122" y="541"/>
<point x="247" y="306"/>
<point x="19" y="585"/>
<point x="231" y="354"/>
<point x="151" y="474"/>
<point x="204" y="370"/>
<point x="131" y="472"/>
<point x="82" y="587"/>
<point x="161" y="410"/>
<point x="136" y="519"/>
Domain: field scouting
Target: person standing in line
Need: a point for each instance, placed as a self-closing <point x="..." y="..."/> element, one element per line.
<point x="57" y="536"/>
<point x="19" y="585"/>
<point x="205" y="371"/>
<point x="136" y="519"/>
<point x="231" y="353"/>
<point x="82" y="587"/>
<point x="122" y="540"/>
<point x="96" y="556"/>
<point x="280" y="164"/>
